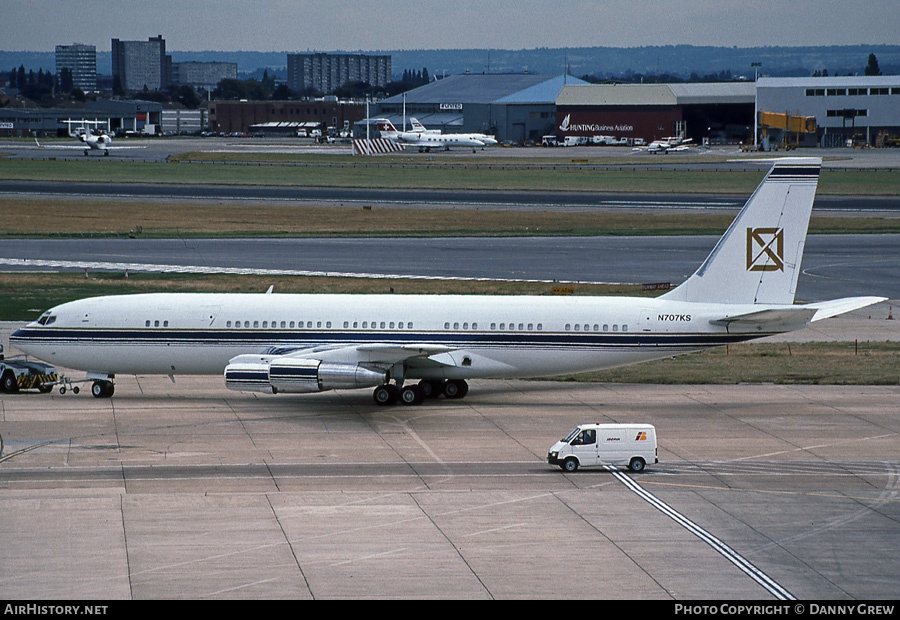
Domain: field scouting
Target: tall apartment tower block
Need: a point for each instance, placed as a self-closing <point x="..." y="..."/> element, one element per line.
<point x="81" y="60"/>
<point x="141" y="64"/>
<point x="327" y="72"/>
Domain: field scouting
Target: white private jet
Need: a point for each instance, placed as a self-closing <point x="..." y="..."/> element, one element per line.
<point x="99" y="141"/>
<point x="293" y="343"/>
<point x="417" y="127"/>
<point x="425" y="139"/>
<point x="667" y="145"/>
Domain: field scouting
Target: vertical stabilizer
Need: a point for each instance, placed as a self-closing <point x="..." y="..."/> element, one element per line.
<point x="757" y="260"/>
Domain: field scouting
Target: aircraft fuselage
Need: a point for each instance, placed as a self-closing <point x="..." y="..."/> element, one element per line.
<point x="493" y="336"/>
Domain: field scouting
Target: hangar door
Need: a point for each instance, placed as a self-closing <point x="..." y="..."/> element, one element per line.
<point x="518" y="132"/>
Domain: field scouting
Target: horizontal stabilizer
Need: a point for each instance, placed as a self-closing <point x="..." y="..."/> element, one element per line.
<point x="828" y="309"/>
<point x="795" y="317"/>
<point x="778" y="320"/>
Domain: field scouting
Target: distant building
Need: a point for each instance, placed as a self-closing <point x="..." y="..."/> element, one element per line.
<point x="514" y="107"/>
<point x="81" y="60"/>
<point x="141" y="65"/>
<point x="850" y="109"/>
<point x="175" y="120"/>
<point x="240" y="116"/>
<point x="326" y="73"/>
<point x="132" y="115"/>
<point x="205" y="75"/>
<point x="720" y="112"/>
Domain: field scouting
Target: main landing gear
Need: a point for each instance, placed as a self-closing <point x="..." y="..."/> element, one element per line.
<point x="389" y="394"/>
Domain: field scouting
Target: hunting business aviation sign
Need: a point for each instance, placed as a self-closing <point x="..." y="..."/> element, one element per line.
<point x="567" y="126"/>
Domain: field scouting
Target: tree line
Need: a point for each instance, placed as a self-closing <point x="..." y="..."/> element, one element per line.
<point x="48" y="89"/>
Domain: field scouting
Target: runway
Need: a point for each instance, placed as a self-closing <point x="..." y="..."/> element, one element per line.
<point x="434" y="199"/>
<point x="833" y="265"/>
<point x="187" y="490"/>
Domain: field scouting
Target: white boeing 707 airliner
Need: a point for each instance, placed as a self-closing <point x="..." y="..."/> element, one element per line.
<point x="292" y="343"/>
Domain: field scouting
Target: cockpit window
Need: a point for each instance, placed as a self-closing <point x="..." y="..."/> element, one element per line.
<point x="47" y="319"/>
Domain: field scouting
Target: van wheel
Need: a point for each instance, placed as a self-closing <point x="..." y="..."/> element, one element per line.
<point x="637" y="464"/>
<point x="570" y="464"/>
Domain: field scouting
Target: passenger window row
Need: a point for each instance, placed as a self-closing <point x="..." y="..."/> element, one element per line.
<point x="497" y="327"/>
<point x="586" y="327"/>
<point x="318" y="324"/>
<point x="578" y="327"/>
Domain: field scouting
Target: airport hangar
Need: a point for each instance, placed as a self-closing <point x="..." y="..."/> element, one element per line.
<point x="514" y="108"/>
<point x="131" y="115"/>
<point x="811" y="112"/>
<point x="720" y="112"/>
<point x="521" y="108"/>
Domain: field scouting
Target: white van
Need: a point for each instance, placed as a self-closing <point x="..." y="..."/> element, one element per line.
<point x="633" y="445"/>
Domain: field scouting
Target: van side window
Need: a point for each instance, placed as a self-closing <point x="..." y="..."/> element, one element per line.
<point x="585" y="438"/>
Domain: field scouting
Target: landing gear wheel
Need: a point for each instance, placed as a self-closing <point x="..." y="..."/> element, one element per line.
<point x="456" y="388"/>
<point x="412" y="395"/>
<point x="8" y="384"/>
<point x="569" y="465"/>
<point x="636" y="464"/>
<point x="432" y="388"/>
<point x="385" y="395"/>
<point x="102" y="389"/>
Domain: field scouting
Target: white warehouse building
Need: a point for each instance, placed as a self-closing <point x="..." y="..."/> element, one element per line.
<point x="862" y="110"/>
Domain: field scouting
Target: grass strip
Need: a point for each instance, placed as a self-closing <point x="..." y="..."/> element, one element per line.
<point x="811" y="363"/>
<point x="42" y="218"/>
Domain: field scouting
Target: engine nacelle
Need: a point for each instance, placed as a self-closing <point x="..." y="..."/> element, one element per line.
<point x="297" y="375"/>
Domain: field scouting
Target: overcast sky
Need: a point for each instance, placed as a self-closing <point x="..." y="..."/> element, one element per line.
<point x="369" y="25"/>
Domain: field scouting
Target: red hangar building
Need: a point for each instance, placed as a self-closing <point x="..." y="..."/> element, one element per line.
<point x="717" y="112"/>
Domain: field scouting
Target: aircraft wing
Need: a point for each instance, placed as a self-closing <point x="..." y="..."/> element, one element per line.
<point x="67" y="147"/>
<point x="82" y="147"/>
<point x="412" y="355"/>
<point x="395" y="353"/>
<point x="369" y="353"/>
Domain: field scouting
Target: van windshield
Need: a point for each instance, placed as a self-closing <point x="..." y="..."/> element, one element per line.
<point x="571" y="435"/>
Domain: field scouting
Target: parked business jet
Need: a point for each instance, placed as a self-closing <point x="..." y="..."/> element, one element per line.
<point x="425" y="139"/>
<point x="100" y="141"/>
<point x="667" y="145"/>
<point x="417" y="127"/>
<point x="291" y="343"/>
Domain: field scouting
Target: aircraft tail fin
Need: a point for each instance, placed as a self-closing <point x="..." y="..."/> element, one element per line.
<point x="757" y="260"/>
<point x="386" y="127"/>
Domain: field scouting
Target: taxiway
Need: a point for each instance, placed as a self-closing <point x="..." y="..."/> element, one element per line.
<point x="186" y="490"/>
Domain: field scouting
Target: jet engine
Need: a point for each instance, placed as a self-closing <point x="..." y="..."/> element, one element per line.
<point x="251" y="373"/>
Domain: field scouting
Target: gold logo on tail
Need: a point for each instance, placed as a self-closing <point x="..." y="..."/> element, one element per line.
<point x="765" y="249"/>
